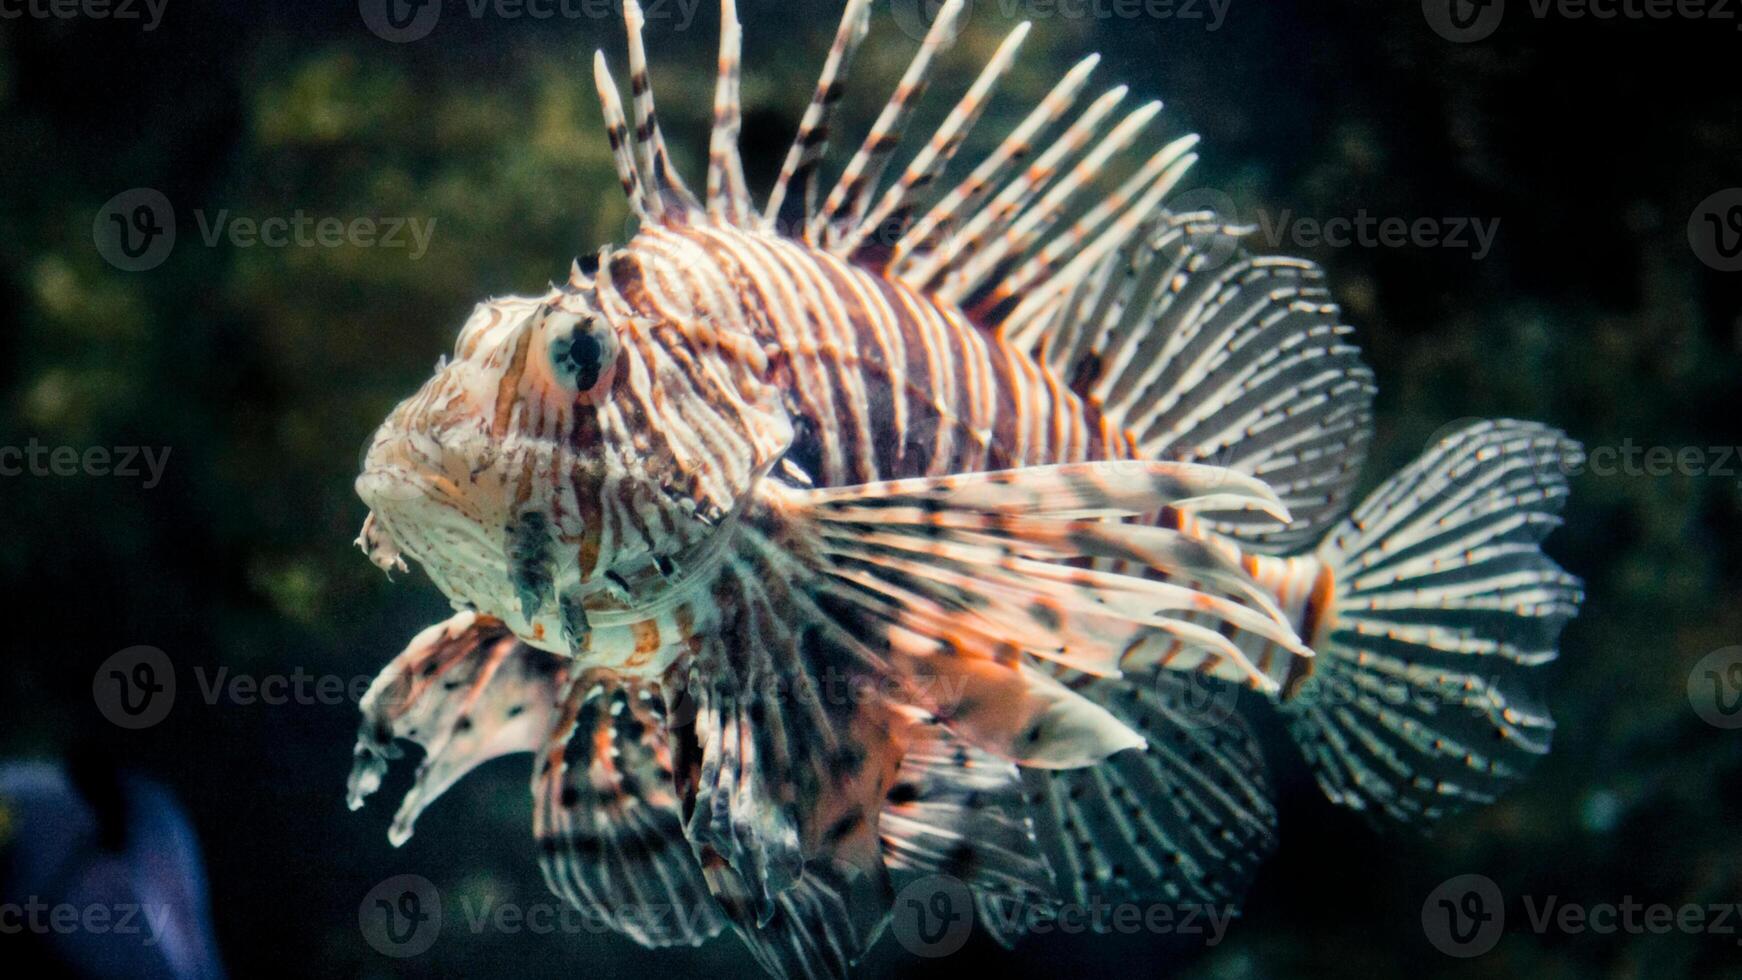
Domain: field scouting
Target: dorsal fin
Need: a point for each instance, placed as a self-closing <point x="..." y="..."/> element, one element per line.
<point x="1035" y="221"/>
<point x="793" y="217"/>
<point x="1202" y="352"/>
<point x="1195" y="355"/>
<point x="960" y="244"/>
<point x="897" y="202"/>
<point x="859" y="181"/>
<point x="617" y="131"/>
<point x="1155" y="179"/>
<point x="728" y="197"/>
<point x="986" y="177"/>
<point x="649" y="140"/>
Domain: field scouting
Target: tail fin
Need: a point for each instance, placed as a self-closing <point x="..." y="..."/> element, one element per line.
<point x="1417" y="705"/>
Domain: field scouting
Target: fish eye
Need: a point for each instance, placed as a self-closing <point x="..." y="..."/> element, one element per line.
<point x="582" y="352"/>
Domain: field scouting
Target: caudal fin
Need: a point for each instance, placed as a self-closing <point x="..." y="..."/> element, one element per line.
<point x="1418" y="703"/>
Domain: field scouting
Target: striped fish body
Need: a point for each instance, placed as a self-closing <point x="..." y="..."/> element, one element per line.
<point x="807" y="561"/>
<point x="881" y="382"/>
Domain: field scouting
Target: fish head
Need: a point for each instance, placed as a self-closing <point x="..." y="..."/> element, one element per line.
<point x="577" y="464"/>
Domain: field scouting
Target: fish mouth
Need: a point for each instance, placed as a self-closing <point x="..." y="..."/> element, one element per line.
<point x="379" y="546"/>
<point x="429" y="494"/>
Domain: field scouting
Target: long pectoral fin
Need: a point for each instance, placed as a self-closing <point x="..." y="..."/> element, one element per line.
<point x="783" y="750"/>
<point x="961" y="584"/>
<point x="607" y="819"/>
<point x="604" y="810"/>
<point x="468" y="692"/>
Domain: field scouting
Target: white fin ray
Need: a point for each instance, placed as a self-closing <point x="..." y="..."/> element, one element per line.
<point x="897" y="202"/>
<point x="655" y="159"/>
<point x="979" y="548"/>
<point x="812" y="142"/>
<point x="1064" y="491"/>
<point x="607" y="820"/>
<point x="1131" y="207"/>
<point x="959" y="811"/>
<point x="454" y="690"/>
<point x="1040" y="607"/>
<point x="728" y="197"/>
<point x="1037" y="219"/>
<point x="846" y="205"/>
<point x="622" y="148"/>
<point x="1198" y="351"/>
<point x="991" y="172"/>
<point x="962" y="244"/>
<point x="1187" y="821"/>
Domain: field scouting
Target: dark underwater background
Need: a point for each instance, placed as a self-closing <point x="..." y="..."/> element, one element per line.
<point x="1594" y="143"/>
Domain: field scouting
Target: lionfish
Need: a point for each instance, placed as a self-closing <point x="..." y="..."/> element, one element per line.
<point x="901" y="531"/>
